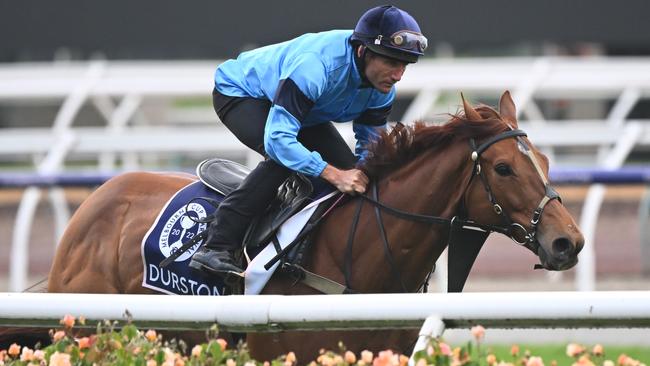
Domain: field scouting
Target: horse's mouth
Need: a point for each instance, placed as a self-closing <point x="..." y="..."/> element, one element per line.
<point x="551" y="264"/>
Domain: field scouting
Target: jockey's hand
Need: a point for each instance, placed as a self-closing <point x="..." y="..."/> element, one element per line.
<point x="347" y="181"/>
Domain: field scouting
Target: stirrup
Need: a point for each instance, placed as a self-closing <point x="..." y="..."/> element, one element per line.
<point x="200" y="267"/>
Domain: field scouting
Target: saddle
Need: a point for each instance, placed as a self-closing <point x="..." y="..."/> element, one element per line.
<point x="224" y="176"/>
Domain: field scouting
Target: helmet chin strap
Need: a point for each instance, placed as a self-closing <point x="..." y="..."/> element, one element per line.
<point x="361" y="65"/>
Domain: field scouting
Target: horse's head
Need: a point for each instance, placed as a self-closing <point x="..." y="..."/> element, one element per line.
<point x="510" y="190"/>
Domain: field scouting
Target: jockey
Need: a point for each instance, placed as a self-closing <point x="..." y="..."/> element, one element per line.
<point x="280" y="100"/>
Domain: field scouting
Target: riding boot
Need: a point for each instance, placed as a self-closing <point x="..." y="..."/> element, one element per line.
<point x="234" y="215"/>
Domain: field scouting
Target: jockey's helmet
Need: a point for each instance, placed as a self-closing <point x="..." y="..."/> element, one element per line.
<point x="391" y="32"/>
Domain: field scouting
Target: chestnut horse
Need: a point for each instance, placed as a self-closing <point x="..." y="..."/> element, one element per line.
<point x="478" y="167"/>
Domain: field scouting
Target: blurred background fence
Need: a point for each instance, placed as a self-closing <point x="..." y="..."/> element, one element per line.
<point x="89" y="89"/>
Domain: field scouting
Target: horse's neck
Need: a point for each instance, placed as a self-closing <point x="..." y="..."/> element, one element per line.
<point x="430" y="185"/>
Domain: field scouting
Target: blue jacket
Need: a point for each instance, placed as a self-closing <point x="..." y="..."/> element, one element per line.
<point x="311" y="79"/>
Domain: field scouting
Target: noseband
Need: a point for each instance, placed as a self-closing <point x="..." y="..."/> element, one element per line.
<point x="515" y="231"/>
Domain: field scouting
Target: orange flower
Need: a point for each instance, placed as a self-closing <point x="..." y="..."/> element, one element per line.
<point x="445" y="349"/>
<point x="608" y="363"/>
<point x="83" y="342"/>
<point x="385" y="358"/>
<point x="231" y="362"/>
<point x="350" y="357"/>
<point x="491" y="359"/>
<point x="151" y="335"/>
<point x="478" y="332"/>
<point x="222" y="342"/>
<point x="67" y="321"/>
<point x="14" y="350"/>
<point x="366" y="356"/>
<point x="456" y="353"/>
<point x="597" y="350"/>
<point x="403" y="360"/>
<point x="60" y="359"/>
<point x="151" y="363"/>
<point x="514" y="350"/>
<point x="622" y="359"/>
<point x="535" y="361"/>
<point x="574" y="349"/>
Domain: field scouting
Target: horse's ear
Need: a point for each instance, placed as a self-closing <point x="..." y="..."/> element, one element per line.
<point x="470" y="113"/>
<point x="507" y="109"/>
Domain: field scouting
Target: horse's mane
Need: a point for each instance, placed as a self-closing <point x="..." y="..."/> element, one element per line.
<point x="403" y="143"/>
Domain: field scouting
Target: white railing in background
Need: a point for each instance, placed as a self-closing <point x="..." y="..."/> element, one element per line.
<point x="120" y="92"/>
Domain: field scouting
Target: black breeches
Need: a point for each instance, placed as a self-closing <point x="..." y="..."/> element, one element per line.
<point x="246" y="119"/>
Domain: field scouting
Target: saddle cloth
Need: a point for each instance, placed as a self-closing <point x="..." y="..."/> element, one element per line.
<point x="174" y="226"/>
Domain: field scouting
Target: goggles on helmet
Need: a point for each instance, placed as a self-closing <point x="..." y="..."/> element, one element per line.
<point x="405" y="40"/>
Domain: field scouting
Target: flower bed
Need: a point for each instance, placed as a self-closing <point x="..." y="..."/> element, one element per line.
<point x="130" y="346"/>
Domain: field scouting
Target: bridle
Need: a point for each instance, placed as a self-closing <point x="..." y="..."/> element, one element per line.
<point x="515" y="231"/>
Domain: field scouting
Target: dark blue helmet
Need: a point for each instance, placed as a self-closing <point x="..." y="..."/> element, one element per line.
<point x="391" y="32"/>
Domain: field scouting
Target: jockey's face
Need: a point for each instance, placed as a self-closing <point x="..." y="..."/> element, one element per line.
<point x="383" y="72"/>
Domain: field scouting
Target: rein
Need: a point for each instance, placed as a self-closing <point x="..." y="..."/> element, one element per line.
<point x="510" y="229"/>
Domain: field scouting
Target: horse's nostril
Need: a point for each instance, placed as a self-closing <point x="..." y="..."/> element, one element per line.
<point x="561" y="246"/>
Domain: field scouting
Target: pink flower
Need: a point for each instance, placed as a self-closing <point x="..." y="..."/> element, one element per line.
<point x="59" y="335"/>
<point x="350" y="357"/>
<point x="151" y="335"/>
<point x="231" y="362"/>
<point x="26" y="355"/>
<point x="445" y="349"/>
<point x="574" y="349"/>
<point x="366" y="356"/>
<point x="14" y="350"/>
<point x="584" y="361"/>
<point x="597" y="350"/>
<point x="478" y="332"/>
<point x="67" y="321"/>
<point x="421" y="362"/>
<point x="291" y="357"/>
<point x="222" y="342"/>
<point x="39" y="355"/>
<point x="60" y="359"/>
<point x="151" y="363"/>
<point x="491" y="359"/>
<point x="535" y="361"/>
<point x="196" y="351"/>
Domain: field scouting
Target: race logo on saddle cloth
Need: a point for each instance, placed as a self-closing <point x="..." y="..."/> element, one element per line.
<point x="176" y="224"/>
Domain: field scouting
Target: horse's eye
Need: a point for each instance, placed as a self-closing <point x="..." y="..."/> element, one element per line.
<point x="503" y="169"/>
